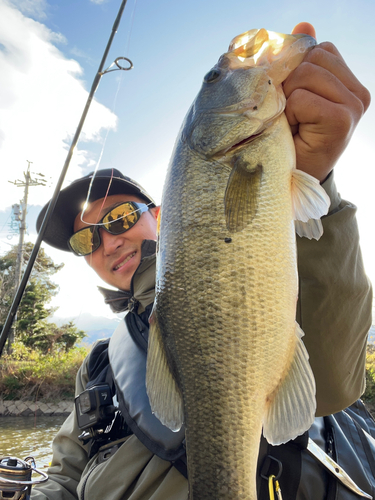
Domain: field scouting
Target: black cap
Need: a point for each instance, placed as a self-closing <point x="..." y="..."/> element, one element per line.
<point x="69" y="203"/>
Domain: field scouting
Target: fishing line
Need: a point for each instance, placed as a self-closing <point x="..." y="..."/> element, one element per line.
<point x="113" y="109"/>
<point x="131" y="28"/>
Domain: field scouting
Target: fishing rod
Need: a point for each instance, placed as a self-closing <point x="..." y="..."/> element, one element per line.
<point x="21" y="288"/>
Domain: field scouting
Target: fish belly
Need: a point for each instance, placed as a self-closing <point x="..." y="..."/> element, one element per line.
<point x="227" y="313"/>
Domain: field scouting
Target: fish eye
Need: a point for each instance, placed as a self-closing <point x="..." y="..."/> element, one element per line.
<point x="212" y="76"/>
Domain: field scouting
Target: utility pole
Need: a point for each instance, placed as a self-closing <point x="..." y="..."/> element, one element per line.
<point x="28" y="182"/>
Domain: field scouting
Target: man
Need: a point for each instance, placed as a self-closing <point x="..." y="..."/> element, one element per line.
<point x="137" y="459"/>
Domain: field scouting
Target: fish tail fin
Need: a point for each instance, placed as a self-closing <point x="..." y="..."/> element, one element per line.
<point x="310" y="203"/>
<point x="164" y="395"/>
<point x="292" y="411"/>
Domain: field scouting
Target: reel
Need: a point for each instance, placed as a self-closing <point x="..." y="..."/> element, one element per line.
<point x="15" y="478"/>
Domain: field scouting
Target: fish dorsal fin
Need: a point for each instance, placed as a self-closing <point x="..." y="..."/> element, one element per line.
<point x="242" y="195"/>
<point x="163" y="392"/>
<point x="292" y="410"/>
<point x="310" y="203"/>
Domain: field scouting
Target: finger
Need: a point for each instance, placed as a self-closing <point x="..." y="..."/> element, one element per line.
<point x="325" y="57"/>
<point x="305" y="29"/>
<point x="329" y="119"/>
<point x="325" y="85"/>
<point x="321" y="131"/>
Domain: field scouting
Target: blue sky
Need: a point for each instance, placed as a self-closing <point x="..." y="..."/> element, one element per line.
<point x="49" y="54"/>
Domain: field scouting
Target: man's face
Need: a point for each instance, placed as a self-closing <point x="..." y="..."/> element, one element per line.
<point x="118" y="256"/>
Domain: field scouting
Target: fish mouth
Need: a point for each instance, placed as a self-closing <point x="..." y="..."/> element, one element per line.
<point x="239" y="145"/>
<point x="252" y="138"/>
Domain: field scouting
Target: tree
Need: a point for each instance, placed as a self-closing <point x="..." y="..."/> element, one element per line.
<point x="31" y="325"/>
<point x="48" y="337"/>
<point x="43" y="268"/>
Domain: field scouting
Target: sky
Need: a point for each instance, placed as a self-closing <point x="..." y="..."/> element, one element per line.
<point x="50" y="51"/>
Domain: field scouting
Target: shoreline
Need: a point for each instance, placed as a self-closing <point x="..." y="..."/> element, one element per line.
<point x="19" y="408"/>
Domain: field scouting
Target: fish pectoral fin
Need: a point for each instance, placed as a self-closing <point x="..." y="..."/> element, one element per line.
<point x="292" y="410"/>
<point x="310" y="203"/>
<point x="163" y="393"/>
<point x="242" y="195"/>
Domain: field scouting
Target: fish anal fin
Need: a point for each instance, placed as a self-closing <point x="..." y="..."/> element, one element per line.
<point x="242" y="195"/>
<point x="313" y="229"/>
<point x="292" y="410"/>
<point x="310" y="203"/>
<point x="164" y="395"/>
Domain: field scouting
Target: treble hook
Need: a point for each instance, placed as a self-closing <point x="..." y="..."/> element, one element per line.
<point x="119" y="67"/>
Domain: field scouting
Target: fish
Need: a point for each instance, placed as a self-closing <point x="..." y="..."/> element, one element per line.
<point x="226" y="357"/>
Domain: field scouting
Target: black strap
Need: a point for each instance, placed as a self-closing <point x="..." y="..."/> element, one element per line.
<point x="289" y="455"/>
<point x="138" y="330"/>
<point x="181" y="465"/>
<point x="98" y="363"/>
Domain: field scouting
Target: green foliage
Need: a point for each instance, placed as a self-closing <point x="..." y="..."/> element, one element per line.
<point x="44" y="267"/>
<point x="30" y="375"/>
<point x="31" y="325"/>
<point x="48" y="336"/>
<point x="369" y="395"/>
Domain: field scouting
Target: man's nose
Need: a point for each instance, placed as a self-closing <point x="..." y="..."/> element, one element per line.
<point x="110" y="242"/>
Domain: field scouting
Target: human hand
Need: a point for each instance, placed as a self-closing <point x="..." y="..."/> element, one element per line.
<point x="325" y="102"/>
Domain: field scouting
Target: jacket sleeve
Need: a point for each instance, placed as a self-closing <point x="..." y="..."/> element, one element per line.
<point x="69" y="456"/>
<point x="334" y="306"/>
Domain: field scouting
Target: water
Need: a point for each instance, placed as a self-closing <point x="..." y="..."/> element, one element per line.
<point x="23" y="437"/>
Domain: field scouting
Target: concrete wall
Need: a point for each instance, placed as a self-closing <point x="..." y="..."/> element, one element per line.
<point x="29" y="408"/>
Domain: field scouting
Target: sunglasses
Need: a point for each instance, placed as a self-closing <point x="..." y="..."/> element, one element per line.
<point x="117" y="221"/>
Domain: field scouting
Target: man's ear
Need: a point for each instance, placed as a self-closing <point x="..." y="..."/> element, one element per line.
<point x="155" y="211"/>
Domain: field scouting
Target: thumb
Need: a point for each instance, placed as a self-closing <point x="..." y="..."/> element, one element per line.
<point x="304" y="28"/>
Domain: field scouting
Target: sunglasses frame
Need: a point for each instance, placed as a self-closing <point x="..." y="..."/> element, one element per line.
<point x="139" y="209"/>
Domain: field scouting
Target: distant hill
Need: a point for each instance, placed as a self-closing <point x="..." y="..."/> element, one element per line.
<point x="94" y="335"/>
<point x="95" y="327"/>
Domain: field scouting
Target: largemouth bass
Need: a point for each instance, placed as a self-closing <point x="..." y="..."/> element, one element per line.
<point x="225" y="353"/>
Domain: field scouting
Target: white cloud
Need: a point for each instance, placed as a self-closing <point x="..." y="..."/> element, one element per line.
<point x="41" y="101"/>
<point x="33" y="8"/>
<point x="76" y="52"/>
<point x="42" y="97"/>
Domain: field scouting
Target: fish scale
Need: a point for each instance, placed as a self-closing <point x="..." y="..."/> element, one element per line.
<point x="223" y="350"/>
<point x="223" y="324"/>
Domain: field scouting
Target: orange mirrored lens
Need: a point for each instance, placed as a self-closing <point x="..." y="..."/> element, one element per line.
<point x="85" y="241"/>
<point x="117" y="221"/>
<point x="121" y="218"/>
